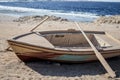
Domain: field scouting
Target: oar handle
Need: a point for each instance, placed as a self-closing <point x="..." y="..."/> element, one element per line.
<point x="39" y="23"/>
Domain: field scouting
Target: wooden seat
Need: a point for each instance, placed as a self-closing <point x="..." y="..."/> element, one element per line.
<point x="102" y="40"/>
<point x="35" y="39"/>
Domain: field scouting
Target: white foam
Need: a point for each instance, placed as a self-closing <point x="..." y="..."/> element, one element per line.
<point x="19" y="9"/>
<point x="78" y="14"/>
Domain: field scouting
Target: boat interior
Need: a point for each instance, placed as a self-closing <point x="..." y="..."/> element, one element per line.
<point x="76" y="40"/>
<point x="68" y="40"/>
<point x="65" y="40"/>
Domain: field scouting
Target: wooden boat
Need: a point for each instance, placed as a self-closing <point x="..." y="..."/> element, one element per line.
<point x="67" y="46"/>
<point x="64" y="46"/>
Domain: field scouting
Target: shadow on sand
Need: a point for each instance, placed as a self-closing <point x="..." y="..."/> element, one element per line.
<point x="71" y="70"/>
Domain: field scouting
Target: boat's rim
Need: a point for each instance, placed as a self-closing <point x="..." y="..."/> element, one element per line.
<point x="44" y="33"/>
<point x="57" y="31"/>
<point x="61" y="51"/>
<point x="56" y="49"/>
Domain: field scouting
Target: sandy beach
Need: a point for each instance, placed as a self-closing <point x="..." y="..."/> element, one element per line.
<point x="11" y="68"/>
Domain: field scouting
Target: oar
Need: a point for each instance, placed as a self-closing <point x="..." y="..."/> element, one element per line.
<point x="98" y="54"/>
<point x="39" y="23"/>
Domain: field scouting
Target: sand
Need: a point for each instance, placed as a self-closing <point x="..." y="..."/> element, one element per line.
<point x="11" y="68"/>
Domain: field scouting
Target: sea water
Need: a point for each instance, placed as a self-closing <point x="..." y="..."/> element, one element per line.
<point x="72" y="10"/>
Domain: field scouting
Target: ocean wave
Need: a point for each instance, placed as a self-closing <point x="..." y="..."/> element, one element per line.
<point x="18" y="9"/>
<point x="60" y="13"/>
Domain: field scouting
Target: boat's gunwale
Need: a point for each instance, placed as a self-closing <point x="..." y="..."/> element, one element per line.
<point x="53" y="32"/>
<point x="60" y="31"/>
<point x="13" y="40"/>
<point x="64" y="51"/>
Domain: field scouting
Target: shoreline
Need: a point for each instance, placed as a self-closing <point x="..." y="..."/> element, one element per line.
<point x="70" y="18"/>
<point x="13" y="69"/>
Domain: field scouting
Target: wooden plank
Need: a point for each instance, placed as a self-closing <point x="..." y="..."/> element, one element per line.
<point x="39" y="23"/>
<point x="34" y="39"/>
<point x="98" y="54"/>
<point x="103" y="41"/>
<point x="118" y="41"/>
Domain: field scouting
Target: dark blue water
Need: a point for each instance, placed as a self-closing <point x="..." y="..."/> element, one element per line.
<point x="86" y="10"/>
